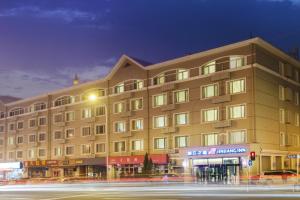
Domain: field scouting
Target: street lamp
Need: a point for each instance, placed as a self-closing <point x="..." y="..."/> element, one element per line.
<point x="92" y="97"/>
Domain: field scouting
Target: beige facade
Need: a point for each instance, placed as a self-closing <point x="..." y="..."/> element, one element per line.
<point x="246" y="93"/>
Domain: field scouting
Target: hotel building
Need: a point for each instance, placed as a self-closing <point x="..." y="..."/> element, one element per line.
<point x="199" y="114"/>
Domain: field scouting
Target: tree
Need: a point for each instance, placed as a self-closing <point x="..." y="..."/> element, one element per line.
<point x="148" y="164"/>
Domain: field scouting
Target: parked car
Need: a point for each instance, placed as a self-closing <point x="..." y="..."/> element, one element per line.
<point x="279" y="177"/>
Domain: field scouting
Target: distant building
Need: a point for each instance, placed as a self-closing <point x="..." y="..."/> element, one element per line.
<point x="200" y="114"/>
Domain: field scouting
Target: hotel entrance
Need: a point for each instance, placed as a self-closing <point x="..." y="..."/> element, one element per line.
<point x="217" y="170"/>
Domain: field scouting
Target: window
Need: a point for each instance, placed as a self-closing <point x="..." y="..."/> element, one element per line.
<point x="20" y="125"/>
<point x="209" y="68"/>
<point x="181" y="141"/>
<point x="237" y="137"/>
<point x="136" y="104"/>
<point x="70" y="133"/>
<point x="10" y="140"/>
<point x="210" y="139"/>
<point x="160" y="121"/>
<point x="11" y="155"/>
<point x="86" y="113"/>
<point x="208" y="91"/>
<point x="237" y="86"/>
<point x="100" y="129"/>
<point x="16" y="111"/>
<point x="12" y="126"/>
<point x="182" y="74"/>
<point x="100" y="148"/>
<point x="160" y="79"/>
<point x="138" y="84"/>
<point x="86" y="131"/>
<point x="119" y="88"/>
<point x="181" y="96"/>
<point x="38" y="107"/>
<point x="42" y="137"/>
<point x="281" y="116"/>
<point x="64" y="101"/>
<point x="69" y="150"/>
<point x="31" y="153"/>
<point x="160" y="143"/>
<point x="85" y="149"/>
<point x="20" y="140"/>
<point x="295" y="140"/>
<point x="236" y="61"/>
<point x="297" y="119"/>
<point x="70" y="116"/>
<point x="119" y="107"/>
<point x="181" y="119"/>
<point x="159" y="100"/>
<point x="236" y="112"/>
<point x="281" y="93"/>
<point x="137" y="124"/>
<point x="97" y="92"/>
<point x="1" y="129"/>
<point x="281" y="68"/>
<point x="58" y="118"/>
<point x="282" y="139"/>
<point x="42" y="152"/>
<point x="58" y="135"/>
<point x="32" y="123"/>
<point x="137" y="145"/>
<point x="32" y="138"/>
<point x="297" y="98"/>
<point x="210" y="115"/>
<point x="100" y="110"/>
<point x="2" y="115"/>
<point x="42" y="121"/>
<point x="120" y="127"/>
<point x="58" y="151"/>
<point x="119" y="146"/>
<point x="19" y="154"/>
<point x="296" y="75"/>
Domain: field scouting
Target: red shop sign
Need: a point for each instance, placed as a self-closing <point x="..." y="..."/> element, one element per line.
<point x="139" y="159"/>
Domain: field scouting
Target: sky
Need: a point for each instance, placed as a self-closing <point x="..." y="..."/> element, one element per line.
<point x="43" y="43"/>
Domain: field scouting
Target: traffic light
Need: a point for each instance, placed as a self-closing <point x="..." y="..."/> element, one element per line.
<point x="252" y="155"/>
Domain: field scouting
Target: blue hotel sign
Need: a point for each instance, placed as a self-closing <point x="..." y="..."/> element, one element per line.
<point x="216" y="151"/>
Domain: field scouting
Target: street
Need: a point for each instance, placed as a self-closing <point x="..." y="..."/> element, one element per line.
<point x="158" y="191"/>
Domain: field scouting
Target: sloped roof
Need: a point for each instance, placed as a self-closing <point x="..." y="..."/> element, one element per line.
<point x="8" y="99"/>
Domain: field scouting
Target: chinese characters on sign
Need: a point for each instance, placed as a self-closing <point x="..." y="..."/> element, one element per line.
<point x="215" y="151"/>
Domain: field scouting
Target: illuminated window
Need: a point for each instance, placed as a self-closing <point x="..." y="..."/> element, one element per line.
<point x="58" y="151"/>
<point x="137" y="124"/>
<point x="100" y="110"/>
<point x="136" y="104"/>
<point x="100" y="148"/>
<point x="160" y="121"/>
<point x="119" y="146"/>
<point x="138" y="84"/>
<point x="211" y="139"/>
<point x="120" y="127"/>
<point x="181" y="119"/>
<point x="31" y="153"/>
<point x="236" y="112"/>
<point x="70" y="133"/>
<point x="64" y="101"/>
<point x="237" y="137"/>
<point x="209" y="68"/>
<point x="16" y="111"/>
<point x="70" y="116"/>
<point x="160" y="143"/>
<point x="209" y="91"/>
<point x="282" y="139"/>
<point x="160" y="79"/>
<point x="119" y="107"/>
<point x="159" y="100"/>
<point x="85" y="149"/>
<point x="137" y="145"/>
<point x="210" y="115"/>
<point x="237" y="86"/>
<point x="296" y="119"/>
<point x="181" y="141"/>
<point x="119" y="88"/>
<point x="86" y="113"/>
<point x="236" y="61"/>
<point x="182" y="74"/>
<point x="281" y="116"/>
<point x="181" y="96"/>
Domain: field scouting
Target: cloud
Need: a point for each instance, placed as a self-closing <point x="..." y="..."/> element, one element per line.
<point x="66" y="15"/>
<point x="292" y="1"/>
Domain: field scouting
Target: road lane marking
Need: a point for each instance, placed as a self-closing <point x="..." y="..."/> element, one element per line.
<point x="66" y="197"/>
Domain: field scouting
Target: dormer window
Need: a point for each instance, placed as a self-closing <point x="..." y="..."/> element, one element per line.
<point x="209" y="68"/>
<point x="97" y="92"/>
<point x="119" y="88"/>
<point x="160" y="79"/>
<point x="16" y="111"/>
<point x="64" y="101"/>
<point x="236" y="61"/>
<point x="182" y="74"/>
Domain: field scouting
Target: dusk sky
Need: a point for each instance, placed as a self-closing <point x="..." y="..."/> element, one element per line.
<point x="44" y="43"/>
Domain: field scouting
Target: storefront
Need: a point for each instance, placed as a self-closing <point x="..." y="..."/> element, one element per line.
<point x="11" y="170"/>
<point x="131" y="166"/>
<point x="39" y="168"/>
<point x="216" y="163"/>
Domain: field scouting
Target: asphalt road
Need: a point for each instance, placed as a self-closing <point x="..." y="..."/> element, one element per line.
<point x="145" y="191"/>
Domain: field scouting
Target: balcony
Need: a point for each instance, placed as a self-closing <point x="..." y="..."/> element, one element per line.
<point x="168" y="87"/>
<point x="168" y="107"/>
<point x="127" y="114"/>
<point x="169" y="130"/>
<point x="220" y="76"/>
<point x="222" y="124"/>
<point x="127" y="95"/>
<point x="221" y="99"/>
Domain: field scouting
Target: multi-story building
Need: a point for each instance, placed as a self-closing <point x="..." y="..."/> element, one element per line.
<point x="202" y="113"/>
